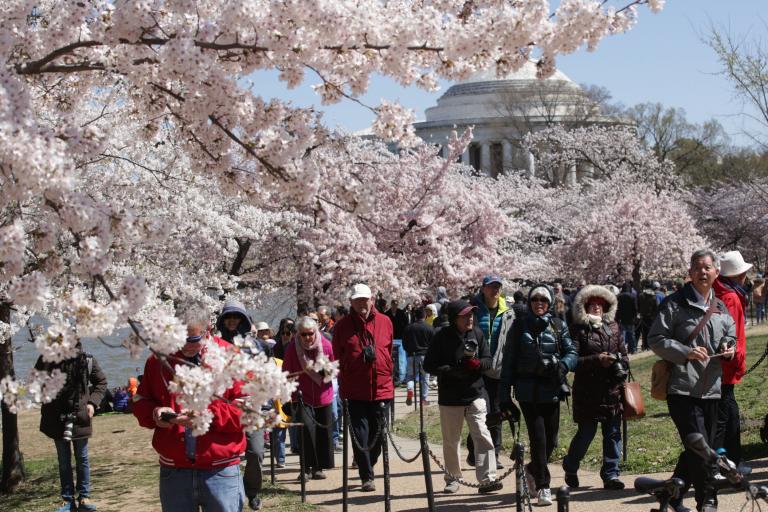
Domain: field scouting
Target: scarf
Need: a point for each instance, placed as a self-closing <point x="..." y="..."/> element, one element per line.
<point x="305" y="361"/>
<point x="595" y="321"/>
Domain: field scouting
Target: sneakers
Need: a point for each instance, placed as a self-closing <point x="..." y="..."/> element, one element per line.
<point x="492" y="486"/>
<point x="254" y="503"/>
<point x="572" y="480"/>
<point x="545" y="497"/>
<point x="85" y="505"/>
<point x="368" y="486"/>
<point x="499" y="465"/>
<point x="409" y="397"/>
<point x="319" y="475"/>
<point x="425" y="403"/>
<point x="613" y="484"/>
<point x="451" y="487"/>
<point x="67" y="506"/>
<point x="280" y="465"/>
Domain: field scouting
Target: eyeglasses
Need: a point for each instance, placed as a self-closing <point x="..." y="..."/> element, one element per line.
<point x="538" y="299"/>
<point x="306" y="334"/>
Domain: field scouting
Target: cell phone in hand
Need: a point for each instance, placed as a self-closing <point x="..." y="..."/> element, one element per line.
<point x="167" y="416"/>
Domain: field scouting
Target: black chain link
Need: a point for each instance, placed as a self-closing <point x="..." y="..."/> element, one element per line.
<point x="399" y="453"/>
<point x="759" y="361"/>
<point x="302" y="414"/>
<point x="376" y="439"/>
<point x="461" y="480"/>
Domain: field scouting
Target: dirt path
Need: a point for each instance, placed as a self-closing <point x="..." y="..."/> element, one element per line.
<point x="408" y="486"/>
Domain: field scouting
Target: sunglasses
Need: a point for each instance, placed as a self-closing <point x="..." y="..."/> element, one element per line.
<point x="539" y="299"/>
<point x="306" y="334"/>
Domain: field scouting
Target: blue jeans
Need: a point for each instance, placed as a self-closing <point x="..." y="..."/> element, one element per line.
<point x="280" y="442"/>
<point x="421" y="375"/>
<point x="611" y="447"/>
<point x="217" y="490"/>
<point x="82" y="468"/>
<point x="336" y="410"/>
<point x="628" y="333"/>
<point x="402" y="360"/>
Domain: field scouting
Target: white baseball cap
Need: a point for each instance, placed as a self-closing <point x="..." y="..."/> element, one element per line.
<point x="360" y="291"/>
<point x="732" y="264"/>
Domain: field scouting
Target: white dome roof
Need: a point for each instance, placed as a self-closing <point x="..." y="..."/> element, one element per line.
<point x="527" y="72"/>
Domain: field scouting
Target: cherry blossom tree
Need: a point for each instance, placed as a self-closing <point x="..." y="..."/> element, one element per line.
<point x="86" y="87"/>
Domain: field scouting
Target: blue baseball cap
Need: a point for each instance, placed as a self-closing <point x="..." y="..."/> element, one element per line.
<point x="492" y="278"/>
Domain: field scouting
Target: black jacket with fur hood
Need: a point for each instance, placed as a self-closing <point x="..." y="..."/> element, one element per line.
<point x="596" y="394"/>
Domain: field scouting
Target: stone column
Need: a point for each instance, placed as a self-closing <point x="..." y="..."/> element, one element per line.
<point x="530" y="164"/>
<point x="506" y="156"/>
<point x="485" y="157"/>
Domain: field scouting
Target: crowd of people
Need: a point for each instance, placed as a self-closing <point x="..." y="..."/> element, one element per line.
<point x="489" y="353"/>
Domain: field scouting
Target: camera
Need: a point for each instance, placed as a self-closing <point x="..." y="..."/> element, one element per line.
<point x="69" y="425"/>
<point x="619" y="369"/>
<point x="548" y="365"/>
<point x="369" y="354"/>
<point x="470" y="348"/>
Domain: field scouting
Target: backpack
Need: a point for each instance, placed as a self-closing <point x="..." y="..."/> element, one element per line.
<point x="647" y="305"/>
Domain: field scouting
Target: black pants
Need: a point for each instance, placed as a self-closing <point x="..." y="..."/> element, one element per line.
<point x="542" y="422"/>
<point x="365" y="418"/>
<point x="254" y="458"/>
<point x="694" y="415"/>
<point x="317" y="439"/>
<point x="728" y="433"/>
<point x="491" y="406"/>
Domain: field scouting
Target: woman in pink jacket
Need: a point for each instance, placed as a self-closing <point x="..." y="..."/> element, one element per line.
<point x="316" y="391"/>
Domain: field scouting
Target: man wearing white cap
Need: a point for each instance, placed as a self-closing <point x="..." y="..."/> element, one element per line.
<point x="362" y="343"/>
<point x="729" y="288"/>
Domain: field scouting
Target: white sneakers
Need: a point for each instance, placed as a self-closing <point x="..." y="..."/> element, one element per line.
<point x="451" y="487"/>
<point x="545" y="497"/>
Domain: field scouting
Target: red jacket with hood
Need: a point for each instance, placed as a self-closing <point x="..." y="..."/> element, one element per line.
<point x="733" y="370"/>
<point x="359" y="380"/>
<point x="220" y="447"/>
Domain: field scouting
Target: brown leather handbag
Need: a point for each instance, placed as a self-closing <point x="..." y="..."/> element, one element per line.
<point x="632" y="399"/>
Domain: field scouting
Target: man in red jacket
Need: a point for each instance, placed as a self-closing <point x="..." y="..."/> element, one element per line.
<point x="362" y="343"/>
<point x="195" y="472"/>
<point x="729" y="288"/>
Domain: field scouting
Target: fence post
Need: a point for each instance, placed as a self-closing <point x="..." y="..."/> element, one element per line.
<point x="345" y="459"/>
<point x="272" y="448"/>
<point x="520" y="479"/>
<point x="427" y="469"/>
<point x="302" y="475"/>
<point x="415" y="368"/>
<point x="385" y="457"/>
<point x="563" y="497"/>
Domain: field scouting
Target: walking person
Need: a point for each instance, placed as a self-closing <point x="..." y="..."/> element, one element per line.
<point x="416" y="340"/>
<point x="195" y="472"/>
<point x="538" y="356"/>
<point x="494" y="318"/>
<point x="362" y="343"/>
<point x="458" y="355"/>
<point x="626" y="316"/>
<point x="691" y="326"/>
<point x="68" y="420"/>
<point x="729" y="288"/>
<point x="597" y="383"/>
<point x="317" y="396"/>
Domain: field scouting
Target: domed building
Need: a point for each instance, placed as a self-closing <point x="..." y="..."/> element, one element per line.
<point x="503" y="111"/>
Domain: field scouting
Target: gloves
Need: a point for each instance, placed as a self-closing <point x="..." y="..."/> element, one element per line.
<point x="470" y="364"/>
<point x="510" y="410"/>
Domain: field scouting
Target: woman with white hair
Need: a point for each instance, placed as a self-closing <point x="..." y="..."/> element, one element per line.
<point x="317" y="395"/>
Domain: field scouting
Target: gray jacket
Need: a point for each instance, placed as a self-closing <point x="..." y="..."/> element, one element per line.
<point x="678" y="316"/>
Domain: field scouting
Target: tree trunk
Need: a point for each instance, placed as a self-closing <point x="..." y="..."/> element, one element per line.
<point x="636" y="275"/>
<point x="13" y="461"/>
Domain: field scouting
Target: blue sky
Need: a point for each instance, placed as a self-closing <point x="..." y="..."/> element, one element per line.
<point x="662" y="59"/>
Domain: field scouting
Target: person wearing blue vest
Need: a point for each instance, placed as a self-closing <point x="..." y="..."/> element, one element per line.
<point x="494" y="318"/>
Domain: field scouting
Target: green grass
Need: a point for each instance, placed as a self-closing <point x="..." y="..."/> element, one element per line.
<point x="654" y="444"/>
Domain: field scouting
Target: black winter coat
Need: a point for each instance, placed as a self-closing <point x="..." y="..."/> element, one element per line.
<point x="81" y="388"/>
<point x="596" y="396"/>
<point x="417" y="337"/>
<point x="455" y="384"/>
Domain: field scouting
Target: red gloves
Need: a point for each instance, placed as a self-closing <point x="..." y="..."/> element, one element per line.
<point x="471" y="364"/>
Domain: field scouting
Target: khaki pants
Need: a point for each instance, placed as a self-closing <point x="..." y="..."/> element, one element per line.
<point x="451" y="421"/>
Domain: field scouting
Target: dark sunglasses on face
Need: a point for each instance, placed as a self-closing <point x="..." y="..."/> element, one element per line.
<point x="539" y="299"/>
<point x="306" y="334"/>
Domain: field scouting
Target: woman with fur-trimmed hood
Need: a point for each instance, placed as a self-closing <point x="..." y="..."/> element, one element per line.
<point x="597" y="384"/>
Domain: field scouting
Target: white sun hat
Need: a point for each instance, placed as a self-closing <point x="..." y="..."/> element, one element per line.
<point x="732" y="264"/>
<point x="360" y="291"/>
